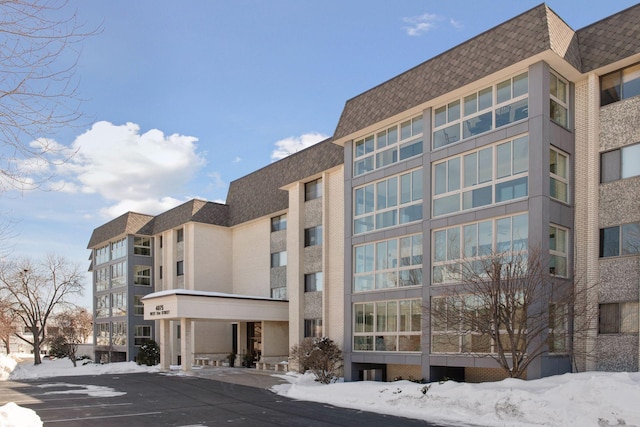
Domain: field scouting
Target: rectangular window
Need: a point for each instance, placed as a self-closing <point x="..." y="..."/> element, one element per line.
<point x="476" y="241"/>
<point x="559" y="100"/>
<point x="142" y="275"/>
<point x="180" y="235"/>
<point x="559" y="171"/>
<point x="388" y="146"/>
<point x="102" y="334"/>
<point x="279" y="293"/>
<point x="102" y="279"/>
<point x="103" y="306"/>
<point x="119" y="249"/>
<point x="102" y="255"/>
<point x="620" y="240"/>
<point x="387" y="203"/>
<point x="559" y="248"/>
<point x="119" y="333"/>
<point x="490" y="108"/>
<point x="119" y="304"/>
<point x="279" y="223"/>
<point x="138" y="306"/>
<point x="558" y="339"/>
<point x="493" y="174"/>
<point x="313" y="236"/>
<point x="619" y="85"/>
<point x="118" y="274"/>
<point x="312" y="328"/>
<point x="180" y="268"/>
<point x="387" y="326"/>
<point x="142" y="334"/>
<point x="618" y="318"/>
<point x="313" y="282"/>
<point x="388" y="264"/>
<point x="619" y="164"/>
<point x="278" y="259"/>
<point x="313" y="190"/>
<point x="142" y="246"/>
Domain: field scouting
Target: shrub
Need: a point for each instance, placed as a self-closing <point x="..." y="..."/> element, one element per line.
<point x="321" y="356"/>
<point x="149" y="353"/>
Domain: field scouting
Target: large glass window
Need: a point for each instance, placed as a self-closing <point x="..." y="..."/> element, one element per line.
<point x="142" y="275"/>
<point x="102" y="255"/>
<point x="119" y="333"/>
<point x="279" y="223"/>
<point x="142" y="246"/>
<point x="119" y="249"/>
<point x="118" y="274"/>
<point x="313" y="189"/>
<point x="102" y="306"/>
<point x="119" y="304"/>
<point x="475" y="241"/>
<point x="387" y="203"/>
<point x="493" y="174"/>
<point x="138" y="306"/>
<point x="387" y="325"/>
<point x="102" y="333"/>
<point x="620" y="84"/>
<point x="142" y="334"/>
<point x="313" y="236"/>
<point x="388" y="146"/>
<point x="618" y="318"/>
<point x="559" y="171"/>
<point x="620" y="163"/>
<point x="388" y="264"/>
<point x="489" y="108"/>
<point x="620" y="240"/>
<point x="102" y="279"/>
<point x="313" y="282"/>
<point x="559" y="102"/>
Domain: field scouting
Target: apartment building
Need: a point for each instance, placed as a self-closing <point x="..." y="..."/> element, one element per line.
<point x="525" y="136"/>
<point x="249" y="277"/>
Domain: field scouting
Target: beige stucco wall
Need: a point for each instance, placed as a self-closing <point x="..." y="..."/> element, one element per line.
<point x="333" y="305"/>
<point x="251" y="258"/>
<point x="213" y="339"/>
<point x="208" y="265"/>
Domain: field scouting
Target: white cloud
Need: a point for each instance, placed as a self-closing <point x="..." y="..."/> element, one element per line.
<point x="238" y="159"/>
<point x="293" y="144"/>
<point x="136" y="171"/>
<point x="420" y="24"/>
<point x="456" y="24"/>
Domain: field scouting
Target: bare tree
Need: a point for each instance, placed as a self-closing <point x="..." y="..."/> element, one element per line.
<point x="320" y="355"/>
<point x="507" y="306"/>
<point x="33" y="292"/>
<point x="74" y="326"/>
<point x="7" y="325"/>
<point x="39" y="49"/>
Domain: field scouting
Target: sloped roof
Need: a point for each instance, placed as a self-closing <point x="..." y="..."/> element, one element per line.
<point x="194" y="210"/>
<point x="610" y="40"/>
<point x="533" y="32"/>
<point x="259" y="194"/>
<point x="128" y="223"/>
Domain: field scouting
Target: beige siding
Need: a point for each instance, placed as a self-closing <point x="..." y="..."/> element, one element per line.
<point x="251" y="258"/>
<point x="333" y="321"/>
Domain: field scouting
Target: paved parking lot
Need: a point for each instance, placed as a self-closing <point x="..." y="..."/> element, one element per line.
<point x="208" y="398"/>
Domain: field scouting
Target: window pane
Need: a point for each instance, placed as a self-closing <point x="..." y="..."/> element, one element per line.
<point x="631" y="81"/>
<point x="520" y="85"/>
<point x="610" y="90"/>
<point x="629" y="317"/>
<point x="477" y="198"/>
<point x="503" y="234"/>
<point x="453" y="174"/>
<point x="485" y="98"/>
<point x="446" y="205"/>
<point x="485" y="238"/>
<point x="410" y="149"/>
<point x="609" y="319"/>
<point x="453" y="111"/>
<point x="510" y="190"/>
<point x="485" y="165"/>
<point x="416" y="126"/>
<point x="631" y="161"/>
<point x="470" y="169"/>
<point x="504" y="91"/>
<point x="405" y="130"/>
<point x="440" y="116"/>
<point x="610" y="242"/>
<point x="520" y="232"/>
<point x="470" y="240"/>
<point x="478" y="124"/>
<point x="416" y="185"/>
<point x="453" y="243"/>
<point x="446" y="136"/>
<point x="631" y="239"/>
<point x="504" y="159"/>
<point x="610" y="166"/>
<point x="440" y="178"/>
<point x="521" y="155"/>
<point x="470" y="104"/>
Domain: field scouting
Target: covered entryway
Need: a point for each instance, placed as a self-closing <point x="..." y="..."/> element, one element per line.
<point x="188" y="307"/>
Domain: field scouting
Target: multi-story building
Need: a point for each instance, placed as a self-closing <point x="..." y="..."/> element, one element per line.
<point x="525" y="136"/>
<point x="249" y="277"/>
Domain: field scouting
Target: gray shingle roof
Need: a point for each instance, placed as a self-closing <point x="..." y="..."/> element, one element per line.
<point x="129" y="223"/>
<point x="611" y="39"/>
<point x="259" y="194"/>
<point x="522" y="37"/>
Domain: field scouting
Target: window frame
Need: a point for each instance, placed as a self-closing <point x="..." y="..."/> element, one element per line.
<point x="622" y="324"/>
<point x="627" y="237"/>
<point x="280" y="257"/>
<point x="313" y="236"/>
<point x="180" y="268"/>
<point x="279" y="223"/>
<point x="180" y="235"/>
<point x="558" y="253"/>
<point x="138" y="306"/>
<point x="313" y="328"/>
<point x="553" y="151"/>
<point x="313" y="282"/>
<point x="405" y="331"/>
<point x="554" y="99"/>
<point x="139" y="278"/>
<point x="618" y="93"/>
<point x="313" y="189"/>
<point x="142" y="246"/>
<point x="140" y="336"/>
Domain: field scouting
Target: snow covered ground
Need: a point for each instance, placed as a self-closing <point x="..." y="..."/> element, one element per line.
<point x="586" y="399"/>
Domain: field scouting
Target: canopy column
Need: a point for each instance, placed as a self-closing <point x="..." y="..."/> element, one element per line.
<point x="186" y="343"/>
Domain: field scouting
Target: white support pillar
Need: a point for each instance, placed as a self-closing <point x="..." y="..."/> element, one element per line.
<point x="165" y="345"/>
<point x="186" y="348"/>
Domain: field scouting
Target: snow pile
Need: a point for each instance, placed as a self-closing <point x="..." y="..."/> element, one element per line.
<point x="12" y="415"/>
<point x="64" y="368"/>
<point x="7" y="365"/>
<point x="585" y="399"/>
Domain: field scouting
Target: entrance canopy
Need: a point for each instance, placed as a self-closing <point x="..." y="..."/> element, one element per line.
<point x="175" y="304"/>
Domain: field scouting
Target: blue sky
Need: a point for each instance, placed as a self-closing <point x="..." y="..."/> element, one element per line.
<point x="182" y="98"/>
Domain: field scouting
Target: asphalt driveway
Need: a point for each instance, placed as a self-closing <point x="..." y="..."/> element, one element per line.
<point x="175" y="400"/>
